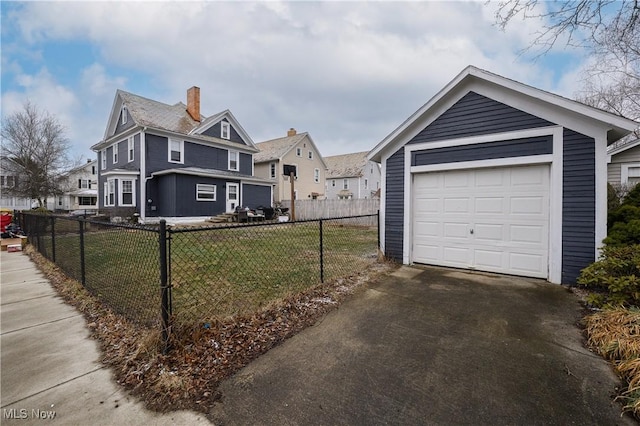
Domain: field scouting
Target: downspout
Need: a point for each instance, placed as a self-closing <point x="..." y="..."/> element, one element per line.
<point x="143" y="176"/>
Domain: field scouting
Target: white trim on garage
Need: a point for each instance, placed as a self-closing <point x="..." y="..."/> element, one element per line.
<point x="556" y="182"/>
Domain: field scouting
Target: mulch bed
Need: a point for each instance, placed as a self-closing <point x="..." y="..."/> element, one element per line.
<point x="200" y="356"/>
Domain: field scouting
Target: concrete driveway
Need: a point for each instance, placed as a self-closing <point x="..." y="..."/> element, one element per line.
<point x="432" y="346"/>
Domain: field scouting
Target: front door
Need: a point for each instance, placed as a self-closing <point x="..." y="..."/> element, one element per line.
<point x="232" y="196"/>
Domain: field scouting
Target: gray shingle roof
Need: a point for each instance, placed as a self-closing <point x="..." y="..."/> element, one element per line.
<point x="276" y="148"/>
<point x="347" y="165"/>
<point x="147" y="112"/>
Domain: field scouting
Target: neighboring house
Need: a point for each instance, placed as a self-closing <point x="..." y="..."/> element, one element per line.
<point x="623" y="164"/>
<point x="352" y="176"/>
<point x="494" y="175"/>
<point x="296" y="149"/>
<point x="80" y="191"/>
<point x="8" y="179"/>
<point x="169" y="161"/>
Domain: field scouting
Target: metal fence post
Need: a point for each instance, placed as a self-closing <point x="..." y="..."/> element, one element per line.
<point x="164" y="285"/>
<point x="378" y="219"/>
<point x="321" y="254"/>
<point x="82" y="265"/>
<point x="53" y="239"/>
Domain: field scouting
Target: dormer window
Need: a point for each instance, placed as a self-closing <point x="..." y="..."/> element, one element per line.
<point x="225" y="130"/>
<point x="123" y="115"/>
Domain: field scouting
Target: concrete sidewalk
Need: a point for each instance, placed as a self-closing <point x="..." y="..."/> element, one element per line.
<point x="50" y="366"/>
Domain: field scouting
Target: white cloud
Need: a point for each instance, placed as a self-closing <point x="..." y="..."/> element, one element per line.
<point x="348" y="72"/>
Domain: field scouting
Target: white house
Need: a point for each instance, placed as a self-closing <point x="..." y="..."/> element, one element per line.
<point x="352" y="176"/>
<point x="623" y="164"/>
<point x="80" y="189"/>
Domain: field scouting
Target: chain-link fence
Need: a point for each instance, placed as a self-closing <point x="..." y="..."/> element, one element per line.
<point x="194" y="275"/>
<point x="119" y="264"/>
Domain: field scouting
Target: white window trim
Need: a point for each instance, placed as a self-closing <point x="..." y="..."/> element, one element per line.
<point x="299" y="152"/>
<point x="103" y="159"/>
<point x="333" y="182"/>
<point x="345" y="184"/>
<point x="181" y="142"/>
<point x="123" y="115"/>
<point x="199" y="190"/>
<point x="225" y="128"/>
<point x="237" y="153"/>
<point x="273" y="170"/>
<point x="121" y="192"/>
<point x="130" y="149"/>
<point x="310" y="155"/>
<point x="114" y="153"/>
<point x="624" y="172"/>
<point x="316" y="175"/>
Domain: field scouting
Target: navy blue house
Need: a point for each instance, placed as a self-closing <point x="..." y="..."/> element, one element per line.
<point x="498" y="176"/>
<point x="169" y="161"/>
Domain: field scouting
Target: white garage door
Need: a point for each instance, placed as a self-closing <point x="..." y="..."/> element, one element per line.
<point x="494" y="219"/>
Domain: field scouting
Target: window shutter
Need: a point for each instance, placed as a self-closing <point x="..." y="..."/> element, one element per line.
<point x="79" y="183"/>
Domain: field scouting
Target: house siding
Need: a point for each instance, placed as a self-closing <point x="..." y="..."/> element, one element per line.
<point x="122" y="127"/>
<point x="578" y="204"/>
<point x="195" y="155"/>
<point x="394" y="206"/>
<point x="486" y="151"/>
<point x="475" y="115"/>
<point x="472" y="115"/>
<point x="175" y="195"/>
<point x="214" y="131"/>
<point x="614" y="173"/>
<point x="254" y="196"/>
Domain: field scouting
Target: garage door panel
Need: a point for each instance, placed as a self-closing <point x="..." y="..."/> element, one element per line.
<point x="527" y="205"/>
<point x="456" y="205"/>
<point x="457" y="255"/>
<point x="535" y="234"/>
<point x="488" y="231"/>
<point x="486" y="179"/>
<point x="490" y="205"/>
<point x="507" y="208"/>
<point x="488" y="259"/>
<point x="455" y="230"/>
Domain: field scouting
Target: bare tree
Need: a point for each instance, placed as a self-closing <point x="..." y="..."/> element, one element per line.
<point x="36" y="150"/>
<point x="608" y="29"/>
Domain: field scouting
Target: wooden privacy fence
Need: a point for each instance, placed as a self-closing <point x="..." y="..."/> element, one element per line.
<point x="324" y="209"/>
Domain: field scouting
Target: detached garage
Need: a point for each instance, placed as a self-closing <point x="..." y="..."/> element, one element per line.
<point x="497" y="176"/>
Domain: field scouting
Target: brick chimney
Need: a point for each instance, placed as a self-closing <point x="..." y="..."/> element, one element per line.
<point x="193" y="102"/>
<point x="291" y="132"/>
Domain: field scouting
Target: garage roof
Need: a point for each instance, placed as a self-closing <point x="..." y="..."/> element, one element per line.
<point x="538" y="102"/>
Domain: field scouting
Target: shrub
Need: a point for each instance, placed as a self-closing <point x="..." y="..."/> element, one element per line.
<point x="615" y="277"/>
<point x="624" y="232"/>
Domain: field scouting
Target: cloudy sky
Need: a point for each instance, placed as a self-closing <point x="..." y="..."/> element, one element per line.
<point x="346" y="72"/>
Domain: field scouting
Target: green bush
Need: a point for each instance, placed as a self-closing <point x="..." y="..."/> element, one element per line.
<point x="613" y="198"/>
<point x="615" y="278"/>
<point x="624" y="233"/>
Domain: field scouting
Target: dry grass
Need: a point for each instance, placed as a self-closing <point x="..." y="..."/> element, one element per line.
<point x="201" y="355"/>
<point x="615" y="334"/>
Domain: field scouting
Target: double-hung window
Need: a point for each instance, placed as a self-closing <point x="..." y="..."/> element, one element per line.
<point x="299" y="152"/>
<point x="123" y="115"/>
<point x="272" y="170"/>
<point x="130" y="146"/>
<point x="110" y="192"/>
<point x="345" y="184"/>
<point x="103" y="159"/>
<point x="176" y="151"/>
<point x="310" y="155"/>
<point x="205" y="192"/>
<point x="333" y="182"/>
<point x="225" y="130"/>
<point x="84" y="184"/>
<point x="115" y="152"/>
<point x="316" y="175"/>
<point x="127" y="192"/>
<point x="233" y="160"/>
